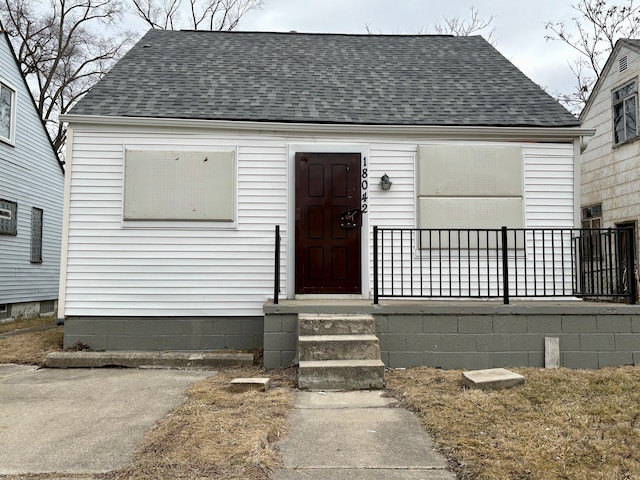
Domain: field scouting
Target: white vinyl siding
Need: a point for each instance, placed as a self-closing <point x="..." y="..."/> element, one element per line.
<point x="171" y="270"/>
<point x="31" y="177"/>
<point x="120" y="271"/>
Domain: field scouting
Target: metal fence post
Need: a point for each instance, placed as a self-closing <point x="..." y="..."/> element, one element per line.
<point x="505" y="267"/>
<point x="631" y="266"/>
<point x="375" y="265"/>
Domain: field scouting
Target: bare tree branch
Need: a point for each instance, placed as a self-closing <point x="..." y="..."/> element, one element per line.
<point x="461" y="27"/>
<point x="197" y="14"/>
<point x="592" y="34"/>
<point x="63" y="48"/>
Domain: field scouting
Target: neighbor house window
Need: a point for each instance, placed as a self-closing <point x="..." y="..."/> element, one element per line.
<point x="592" y="237"/>
<point x="7" y="113"/>
<point x="625" y="113"/>
<point x="8" y="217"/>
<point x="36" y="235"/>
<point x="592" y="216"/>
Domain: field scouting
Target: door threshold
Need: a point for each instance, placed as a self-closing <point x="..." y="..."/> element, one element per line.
<point x="328" y="296"/>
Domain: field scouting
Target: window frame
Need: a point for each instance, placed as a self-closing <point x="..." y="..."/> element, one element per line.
<point x="12" y="112"/>
<point x="188" y="224"/>
<point x="621" y="99"/>
<point x="12" y="220"/>
<point x="591" y="243"/>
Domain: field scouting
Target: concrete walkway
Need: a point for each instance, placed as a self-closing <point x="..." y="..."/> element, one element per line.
<point x="75" y="423"/>
<point x="357" y="436"/>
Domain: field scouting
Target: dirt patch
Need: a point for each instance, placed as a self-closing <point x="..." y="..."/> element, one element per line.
<point x="560" y="424"/>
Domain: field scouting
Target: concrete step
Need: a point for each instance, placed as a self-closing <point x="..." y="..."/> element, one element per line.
<point x="335" y="324"/>
<point x="136" y="359"/>
<point x="341" y="375"/>
<point x="338" y="347"/>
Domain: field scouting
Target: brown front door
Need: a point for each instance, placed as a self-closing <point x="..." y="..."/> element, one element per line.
<point x="328" y="220"/>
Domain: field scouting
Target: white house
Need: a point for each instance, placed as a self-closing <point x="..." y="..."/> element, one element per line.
<point x="31" y="200"/>
<point x="609" y="174"/>
<point x="183" y="159"/>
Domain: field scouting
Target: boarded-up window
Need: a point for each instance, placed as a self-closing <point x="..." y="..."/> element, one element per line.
<point x="470" y="186"/>
<point x="8" y="217"/>
<point x="179" y="185"/>
<point x="36" y="235"/>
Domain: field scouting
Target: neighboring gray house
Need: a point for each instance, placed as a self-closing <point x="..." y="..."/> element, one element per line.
<point x="610" y="173"/>
<point x="31" y="200"/>
<point x="186" y="156"/>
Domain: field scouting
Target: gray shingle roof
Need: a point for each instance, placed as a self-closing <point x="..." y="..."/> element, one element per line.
<point x="322" y="78"/>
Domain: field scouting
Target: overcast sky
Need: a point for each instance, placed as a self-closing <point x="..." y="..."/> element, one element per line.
<point x="519" y="26"/>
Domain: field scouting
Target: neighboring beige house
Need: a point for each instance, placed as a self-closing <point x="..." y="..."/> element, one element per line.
<point x="610" y="173"/>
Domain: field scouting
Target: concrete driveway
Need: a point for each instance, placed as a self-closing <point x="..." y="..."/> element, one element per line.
<point x="81" y="421"/>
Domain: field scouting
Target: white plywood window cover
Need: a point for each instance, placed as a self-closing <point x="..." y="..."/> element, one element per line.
<point x="180" y="185"/>
<point x="446" y="212"/>
<point x="468" y="213"/>
<point x="470" y="170"/>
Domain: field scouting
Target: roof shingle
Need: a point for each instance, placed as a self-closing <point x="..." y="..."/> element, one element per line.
<point x="322" y="78"/>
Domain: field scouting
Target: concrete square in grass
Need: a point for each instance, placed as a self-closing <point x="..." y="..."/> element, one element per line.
<point x="247" y="384"/>
<point x="492" y="379"/>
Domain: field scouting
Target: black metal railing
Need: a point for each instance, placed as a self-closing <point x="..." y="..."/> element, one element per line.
<point x="504" y="263"/>
<point x="276" y="282"/>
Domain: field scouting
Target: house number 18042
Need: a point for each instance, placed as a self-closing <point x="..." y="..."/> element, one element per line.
<point x="364" y="186"/>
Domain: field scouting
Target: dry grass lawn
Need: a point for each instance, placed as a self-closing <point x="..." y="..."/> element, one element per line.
<point x="31" y="347"/>
<point x="218" y="432"/>
<point x="21" y="324"/>
<point x="562" y="424"/>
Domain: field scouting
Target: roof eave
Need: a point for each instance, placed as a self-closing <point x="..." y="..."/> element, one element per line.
<point x="448" y="131"/>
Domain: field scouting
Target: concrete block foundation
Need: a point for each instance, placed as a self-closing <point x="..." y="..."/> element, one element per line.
<point x="166" y="333"/>
<point x="474" y="335"/>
